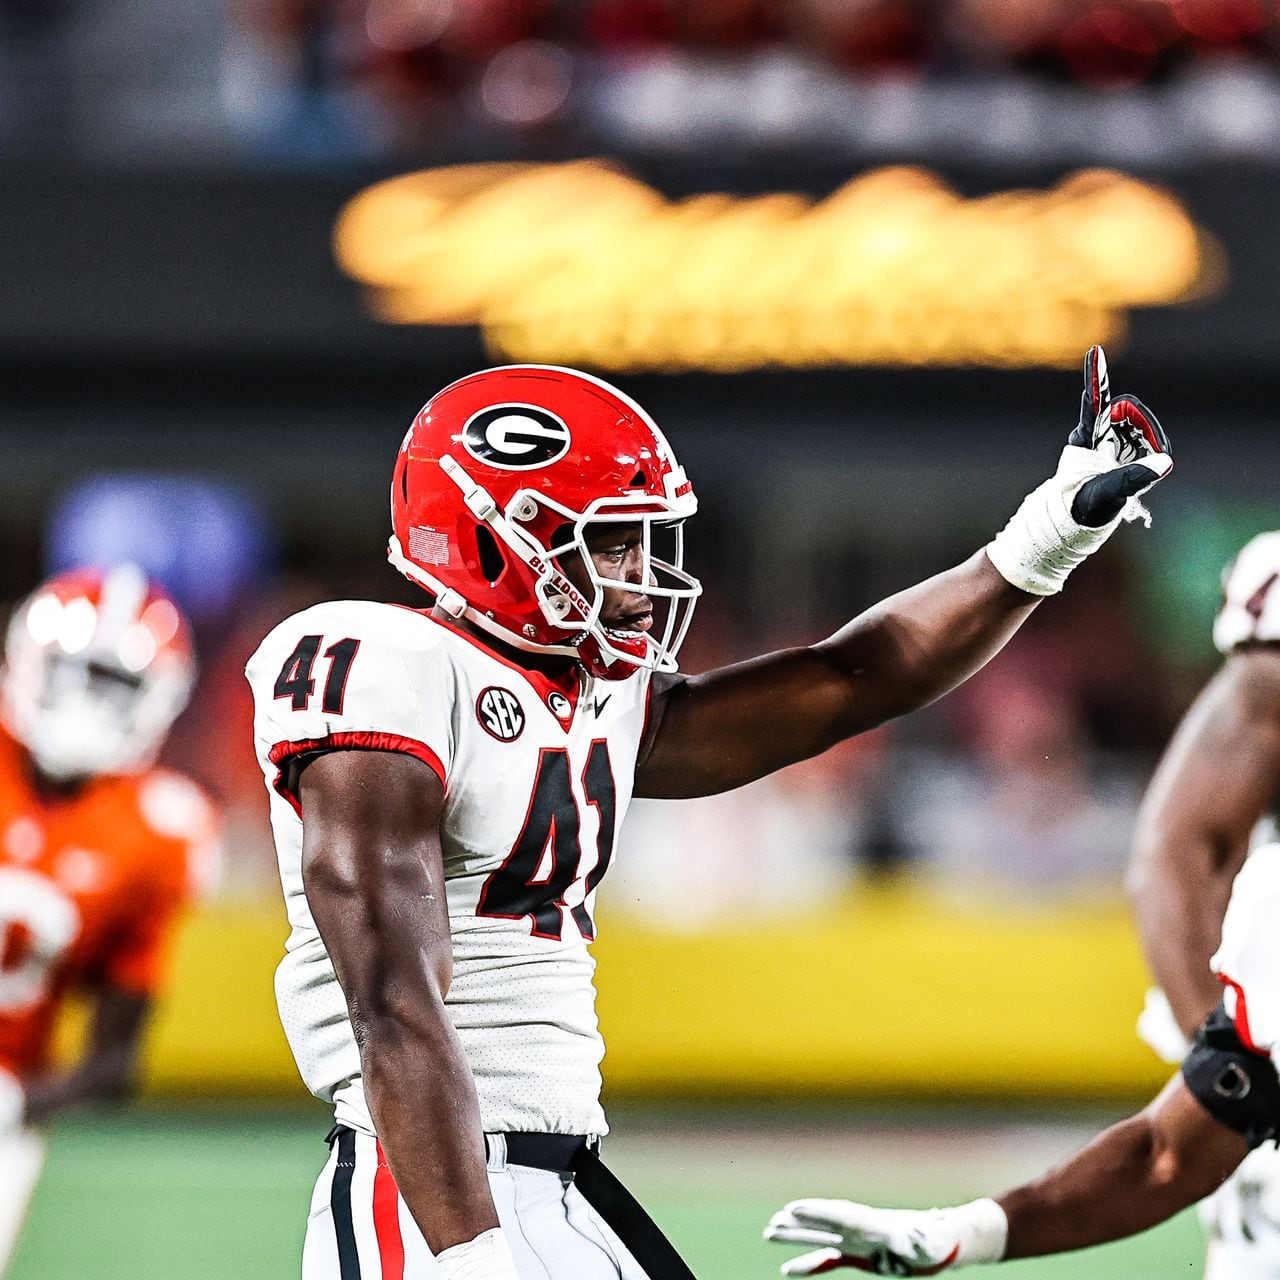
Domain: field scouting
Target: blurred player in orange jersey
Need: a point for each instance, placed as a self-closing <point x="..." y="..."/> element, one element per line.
<point x="99" y="850"/>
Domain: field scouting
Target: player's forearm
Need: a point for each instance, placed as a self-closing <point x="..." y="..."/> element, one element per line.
<point x="1128" y="1179"/>
<point x="917" y="645"/>
<point x="424" y="1106"/>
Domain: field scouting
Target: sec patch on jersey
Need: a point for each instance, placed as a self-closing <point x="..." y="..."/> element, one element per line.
<point x="500" y="713"/>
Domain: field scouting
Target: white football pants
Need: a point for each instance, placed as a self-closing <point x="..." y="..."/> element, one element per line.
<point x="1243" y="1221"/>
<point x="21" y="1160"/>
<point x="360" y="1229"/>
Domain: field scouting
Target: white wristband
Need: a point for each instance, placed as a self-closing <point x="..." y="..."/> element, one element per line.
<point x="983" y="1230"/>
<point x="1041" y="544"/>
<point x="487" y="1257"/>
<point x="13" y="1102"/>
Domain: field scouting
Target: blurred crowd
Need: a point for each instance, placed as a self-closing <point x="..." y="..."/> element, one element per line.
<point x="530" y="65"/>
<point x="331" y="80"/>
<point x="427" y="48"/>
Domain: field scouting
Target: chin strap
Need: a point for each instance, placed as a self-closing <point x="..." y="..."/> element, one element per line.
<point x="450" y="602"/>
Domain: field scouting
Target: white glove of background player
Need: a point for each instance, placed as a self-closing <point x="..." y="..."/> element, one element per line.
<point x="13" y="1104"/>
<point x="888" y="1242"/>
<point x="1117" y="452"/>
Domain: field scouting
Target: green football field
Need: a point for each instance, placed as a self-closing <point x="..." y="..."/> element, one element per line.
<point x="222" y="1194"/>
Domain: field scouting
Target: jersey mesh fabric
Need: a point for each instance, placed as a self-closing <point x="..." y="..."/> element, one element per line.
<point x="522" y="997"/>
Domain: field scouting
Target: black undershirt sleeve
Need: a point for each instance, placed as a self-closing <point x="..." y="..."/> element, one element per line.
<point x="1237" y="1087"/>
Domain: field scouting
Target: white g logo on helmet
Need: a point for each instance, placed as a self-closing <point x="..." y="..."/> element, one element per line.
<point x="515" y="437"/>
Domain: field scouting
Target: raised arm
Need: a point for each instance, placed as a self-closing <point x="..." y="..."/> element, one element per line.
<point x="374" y="879"/>
<point x="712" y="732"/>
<point x="1218" y="777"/>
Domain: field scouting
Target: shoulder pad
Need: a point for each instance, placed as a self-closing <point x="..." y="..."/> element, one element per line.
<point x="1251" y="603"/>
<point x="353" y="675"/>
<point x="173" y="806"/>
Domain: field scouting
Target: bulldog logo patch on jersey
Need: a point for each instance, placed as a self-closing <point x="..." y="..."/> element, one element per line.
<point x="515" y="437"/>
<point x="500" y="714"/>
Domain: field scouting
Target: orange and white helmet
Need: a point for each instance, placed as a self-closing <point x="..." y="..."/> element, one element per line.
<point x="98" y="665"/>
<point x="498" y="480"/>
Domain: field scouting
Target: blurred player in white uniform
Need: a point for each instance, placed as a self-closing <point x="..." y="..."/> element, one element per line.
<point x="1223" y="1105"/>
<point x="447" y="787"/>
<point x="99" y="849"/>
<point x="1213" y="796"/>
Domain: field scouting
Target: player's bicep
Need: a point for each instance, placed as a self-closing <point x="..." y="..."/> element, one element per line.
<point x="722" y="729"/>
<point x="373" y="873"/>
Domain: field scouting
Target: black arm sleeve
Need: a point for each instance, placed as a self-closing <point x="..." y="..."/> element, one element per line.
<point x="1237" y="1087"/>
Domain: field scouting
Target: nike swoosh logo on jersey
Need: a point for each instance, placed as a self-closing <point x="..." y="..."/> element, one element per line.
<point x="600" y="703"/>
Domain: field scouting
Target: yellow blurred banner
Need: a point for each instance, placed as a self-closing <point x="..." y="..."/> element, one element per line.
<point x="886" y="993"/>
<point x="581" y="263"/>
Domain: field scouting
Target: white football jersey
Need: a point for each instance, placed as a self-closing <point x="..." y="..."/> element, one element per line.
<point x="537" y="780"/>
<point x="1251" y="604"/>
<point x="1247" y="961"/>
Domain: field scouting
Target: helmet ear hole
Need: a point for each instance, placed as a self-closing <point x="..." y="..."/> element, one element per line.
<point x="493" y="563"/>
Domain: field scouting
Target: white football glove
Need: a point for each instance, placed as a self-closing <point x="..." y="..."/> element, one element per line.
<point x="888" y="1242"/>
<point x="13" y="1103"/>
<point x="1116" y="452"/>
<point x="487" y="1257"/>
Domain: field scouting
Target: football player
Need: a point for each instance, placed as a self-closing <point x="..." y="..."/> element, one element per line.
<point x="447" y="786"/>
<point x="1223" y="1104"/>
<point x="1214" y="790"/>
<point x="98" y="848"/>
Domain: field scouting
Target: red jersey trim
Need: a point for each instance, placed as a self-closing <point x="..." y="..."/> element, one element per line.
<point x="1242" y="1016"/>
<point x="358" y="740"/>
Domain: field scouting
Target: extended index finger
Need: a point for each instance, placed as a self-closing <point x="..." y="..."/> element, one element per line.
<point x="1097" y="384"/>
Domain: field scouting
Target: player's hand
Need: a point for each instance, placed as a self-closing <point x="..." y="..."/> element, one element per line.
<point x="1126" y="437"/>
<point x="1117" y="451"/>
<point x="886" y="1242"/>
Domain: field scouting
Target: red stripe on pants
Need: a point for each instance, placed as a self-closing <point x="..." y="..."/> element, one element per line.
<point x="386" y="1220"/>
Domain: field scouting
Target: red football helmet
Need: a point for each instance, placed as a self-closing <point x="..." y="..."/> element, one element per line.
<point x="98" y="664"/>
<point x="498" y="478"/>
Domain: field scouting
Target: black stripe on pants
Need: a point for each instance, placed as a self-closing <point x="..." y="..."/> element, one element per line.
<point x="340" y="1202"/>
